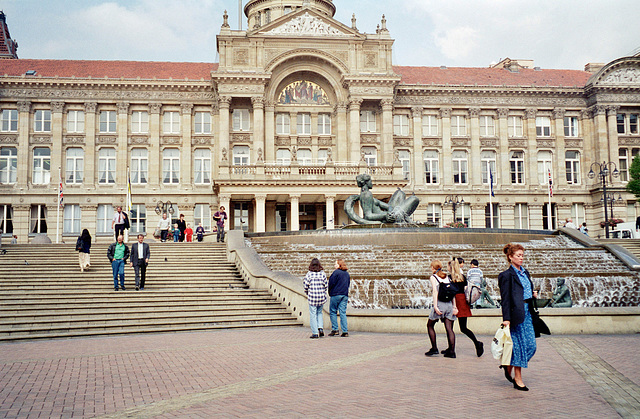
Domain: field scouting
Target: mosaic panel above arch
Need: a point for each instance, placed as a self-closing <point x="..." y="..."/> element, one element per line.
<point x="303" y="92"/>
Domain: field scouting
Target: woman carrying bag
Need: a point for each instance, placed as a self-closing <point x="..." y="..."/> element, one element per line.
<point x="516" y="290"/>
<point x="83" y="246"/>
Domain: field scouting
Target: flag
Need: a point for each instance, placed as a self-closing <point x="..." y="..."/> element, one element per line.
<point x="60" y="195"/>
<point x="491" y="180"/>
<point x="129" y="202"/>
<point x="550" y="183"/>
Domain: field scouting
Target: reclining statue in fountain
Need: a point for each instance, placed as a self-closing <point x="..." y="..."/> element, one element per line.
<point x="561" y="295"/>
<point x="398" y="210"/>
<point x="485" y="300"/>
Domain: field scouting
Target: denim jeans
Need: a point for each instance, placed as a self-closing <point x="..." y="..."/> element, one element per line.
<point x="338" y="303"/>
<point x="315" y="318"/>
<point x="220" y="234"/>
<point x="117" y="266"/>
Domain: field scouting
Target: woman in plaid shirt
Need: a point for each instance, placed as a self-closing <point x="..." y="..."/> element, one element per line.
<point x="315" y="286"/>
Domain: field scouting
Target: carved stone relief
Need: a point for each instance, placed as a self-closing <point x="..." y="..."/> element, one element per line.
<point x="487" y="142"/>
<point x="8" y="139"/>
<point x="110" y="94"/>
<point x="40" y="139"/>
<point x="170" y="140"/>
<point x="369" y="139"/>
<point x="628" y="141"/>
<point x="402" y="142"/>
<point x="324" y="141"/>
<point x="304" y="141"/>
<point x="370" y="59"/>
<point x="240" y="138"/>
<point x="574" y="143"/>
<point x="283" y="141"/>
<point x="73" y="139"/>
<point x="486" y="101"/>
<point x="546" y="143"/>
<point x="371" y="90"/>
<point x="431" y="142"/>
<point x="230" y="89"/>
<point x="306" y="25"/>
<point x="138" y="139"/>
<point x="629" y="75"/>
<point x="106" y="139"/>
<point x="241" y="56"/>
<point x="517" y="143"/>
<point x="460" y="142"/>
<point x="201" y="140"/>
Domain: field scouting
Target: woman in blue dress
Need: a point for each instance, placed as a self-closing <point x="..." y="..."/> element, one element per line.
<point x="516" y="290"/>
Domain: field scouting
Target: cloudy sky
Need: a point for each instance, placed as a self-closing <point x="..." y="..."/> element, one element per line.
<point x="468" y="33"/>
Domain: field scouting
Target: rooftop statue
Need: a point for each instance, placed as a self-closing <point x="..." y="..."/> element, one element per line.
<point x="398" y="210"/>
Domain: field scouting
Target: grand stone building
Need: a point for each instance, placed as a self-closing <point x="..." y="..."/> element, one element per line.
<point x="297" y="106"/>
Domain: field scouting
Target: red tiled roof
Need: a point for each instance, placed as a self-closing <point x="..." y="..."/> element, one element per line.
<point x="470" y="76"/>
<point x="109" y="69"/>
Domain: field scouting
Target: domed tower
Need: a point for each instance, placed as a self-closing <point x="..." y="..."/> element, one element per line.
<point x="262" y="12"/>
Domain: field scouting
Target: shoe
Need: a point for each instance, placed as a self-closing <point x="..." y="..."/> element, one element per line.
<point x="444" y="351"/>
<point x="479" y="348"/>
<point x="517" y="387"/>
<point x="142" y="288"/>
<point x="115" y="289"/>
<point x="314" y="337"/>
<point x="432" y="352"/>
<point x="344" y="335"/>
<point x="122" y="288"/>
<point x="137" y="288"/>
<point x="321" y="332"/>
<point x="334" y="333"/>
<point x="450" y="354"/>
<point x="507" y="375"/>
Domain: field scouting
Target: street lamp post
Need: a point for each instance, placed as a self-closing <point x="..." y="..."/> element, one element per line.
<point x="611" y="199"/>
<point x="164" y="207"/>
<point x="454" y="200"/>
<point x="604" y="169"/>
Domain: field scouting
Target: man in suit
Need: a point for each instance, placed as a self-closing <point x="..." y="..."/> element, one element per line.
<point x="140" y="254"/>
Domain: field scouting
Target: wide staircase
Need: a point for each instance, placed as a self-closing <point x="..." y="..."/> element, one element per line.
<point x="632" y="245"/>
<point x="189" y="286"/>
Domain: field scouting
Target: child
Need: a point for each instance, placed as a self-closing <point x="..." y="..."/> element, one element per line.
<point x="200" y="232"/>
<point x="176" y="233"/>
<point x="474" y="278"/>
<point x="189" y="233"/>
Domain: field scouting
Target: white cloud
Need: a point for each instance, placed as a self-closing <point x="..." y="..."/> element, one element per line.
<point x="457" y="43"/>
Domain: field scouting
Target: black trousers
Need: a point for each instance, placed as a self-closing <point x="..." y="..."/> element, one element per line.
<point x="141" y="274"/>
<point x="118" y="229"/>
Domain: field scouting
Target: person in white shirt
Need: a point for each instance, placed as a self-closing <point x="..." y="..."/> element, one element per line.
<point x="118" y="222"/>
<point x="569" y="223"/>
<point x="163" y="226"/>
<point x="140" y="254"/>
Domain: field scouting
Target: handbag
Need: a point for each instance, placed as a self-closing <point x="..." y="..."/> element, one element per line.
<point x="539" y="326"/>
<point x="502" y="345"/>
<point x="156" y="233"/>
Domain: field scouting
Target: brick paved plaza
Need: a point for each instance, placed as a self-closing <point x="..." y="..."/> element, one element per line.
<point x="280" y="372"/>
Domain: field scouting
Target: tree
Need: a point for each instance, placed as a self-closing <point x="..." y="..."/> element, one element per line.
<point x="634" y="177"/>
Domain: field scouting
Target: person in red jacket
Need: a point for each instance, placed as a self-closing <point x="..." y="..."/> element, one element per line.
<point x="189" y="233"/>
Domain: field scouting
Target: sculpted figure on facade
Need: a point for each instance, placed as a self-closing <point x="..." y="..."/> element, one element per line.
<point x="306" y="25"/>
<point x="398" y="210"/>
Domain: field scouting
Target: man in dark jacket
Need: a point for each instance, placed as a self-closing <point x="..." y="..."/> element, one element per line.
<point x="140" y="254"/>
<point x="118" y="253"/>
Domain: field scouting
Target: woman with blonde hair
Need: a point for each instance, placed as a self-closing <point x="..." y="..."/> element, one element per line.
<point x="339" y="297"/>
<point x="444" y="308"/>
<point x="464" y="310"/>
<point x="516" y="290"/>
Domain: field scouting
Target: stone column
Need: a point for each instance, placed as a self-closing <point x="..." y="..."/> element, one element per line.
<point x="56" y="142"/>
<point x="186" y="149"/>
<point x="90" y="217"/>
<point x="602" y="146"/>
<point x="295" y="212"/>
<point x="122" y="155"/>
<point x="502" y="156"/>
<point x="560" y="168"/>
<point x="417" y="172"/>
<point x="507" y="216"/>
<point x="24" y="119"/>
<point x="475" y="166"/>
<point x="477" y="219"/>
<point x="446" y="178"/>
<point x="354" y="130"/>
<point x="155" y="161"/>
<point x="386" y="142"/>
<point x="531" y="156"/>
<point x="223" y="134"/>
<point x="260" y="218"/>
<point x="447" y="214"/>
<point x="535" y="216"/>
<point x="342" y="150"/>
<point x="330" y="211"/>
<point x="270" y="132"/>
<point x="612" y="131"/>
<point x="21" y="213"/>
<point x="589" y="142"/>
<point x="564" y="212"/>
<point x="90" y="166"/>
<point x="258" y="127"/>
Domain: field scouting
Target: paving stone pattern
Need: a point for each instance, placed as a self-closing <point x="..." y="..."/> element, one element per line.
<point x="281" y="372"/>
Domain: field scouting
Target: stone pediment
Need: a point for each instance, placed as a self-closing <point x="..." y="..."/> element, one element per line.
<point x="623" y="72"/>
<point x="307" y="23"/>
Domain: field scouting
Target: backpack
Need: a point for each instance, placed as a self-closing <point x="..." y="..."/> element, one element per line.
<point x="446" y="290"/>
<point x="79" y="244"/>
<point x="473" y="290"/>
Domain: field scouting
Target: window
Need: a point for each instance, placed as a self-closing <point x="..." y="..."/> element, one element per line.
<point x="105" y="215"/>
<point x="170" y="166"/>
<point x="304" y="124"/>
<point x="75" y="165"/>
<point x="138" y="219"/>
<point x="38" y="220"/>
<point x="516" y="165"/>
<point x="282" y="124"/>
<point x="570" y="126"/>
<point x="240" y="155"/>
<point x="323" y="156"/>
<point x="434" y="214"/>
<point x="578" y="214"/>
<point x="75" y="121"/>
<point x="202" y="123"/>
<point x="42" y="121"/>
<point x="107" y="121"/>
<point x="241" y="216"/>
<point x="8" y="165"/>
<point x="491" y="216"/>
<point x="544" y="167"/>
<point x="459" y="163"/>
<point x="545" y="217"/>
<point x="543" y="126"/>
<point x="6" y="219"/>
<point x="139" y="165"/>
<point x="267" y="16"/>
<point x="304" y="157"/>
<point x="9" y="120"/>
<point x="488" y="161"/>
<point x="72" y="215"/>
<point x="370" y="155"/>
<point x="572" y="162"/>
<point x="41" y="165"/>
<point x="623" y="163"/>
<point x="514" y="126"/>
<point x="401" y="125"/>
<point x="367" y="121"/>
<point x="405" y="159"/>
<point x="171" y="122"/>
<point x="202" y="214"/>
<point x="140" y="122"/>
<point x="324" y="124"/>
<point x="620" y="118"/>
<point x="431" y="166"/>
<point x="241" y="120"/>
<point x="283" y="157"/>
<point x="281" y="217"/>
<point x="107" y="165"/>
<point x="429" y="125"/>
<point x="521" y="216"/>
<point x="487" y="127"/>
<point x="633" y="123"/>
<point x="202" y="166"/>
<point x="463" y="214"/>
<point x="458" y="126"/>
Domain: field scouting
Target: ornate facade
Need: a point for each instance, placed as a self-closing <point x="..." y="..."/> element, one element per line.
<point x="297" y="106"/>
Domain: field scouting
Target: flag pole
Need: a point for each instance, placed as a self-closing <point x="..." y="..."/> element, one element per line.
<point x="128" y="206"/>
<point x="59" y="202"/>
<point x="490" y="196"/>
<point x="550" y="193"/>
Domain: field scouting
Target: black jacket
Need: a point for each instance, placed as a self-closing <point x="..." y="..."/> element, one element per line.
<point x="146" y="253"/>
<point x="512" y="294"/>
<point x="112" y="250"/>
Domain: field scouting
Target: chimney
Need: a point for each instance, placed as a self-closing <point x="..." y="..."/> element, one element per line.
<point x="593" y="68"/>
